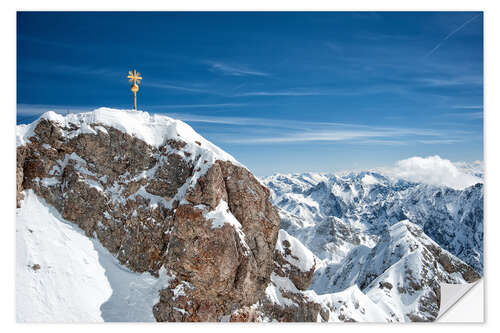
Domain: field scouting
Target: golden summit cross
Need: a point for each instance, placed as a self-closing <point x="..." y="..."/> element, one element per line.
<point x="135" y="78"/>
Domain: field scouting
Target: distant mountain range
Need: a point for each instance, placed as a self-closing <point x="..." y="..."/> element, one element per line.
<point x="332" y="214"/>
<point x="394" y="239"/>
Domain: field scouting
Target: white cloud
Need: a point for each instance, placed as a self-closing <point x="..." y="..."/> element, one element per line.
<point x="433" y="170"/>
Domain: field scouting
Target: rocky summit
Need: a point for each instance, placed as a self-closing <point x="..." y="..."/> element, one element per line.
<point x="127" y="216"/>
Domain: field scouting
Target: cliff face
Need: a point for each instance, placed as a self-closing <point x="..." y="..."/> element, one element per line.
<point x="157" y="195"/>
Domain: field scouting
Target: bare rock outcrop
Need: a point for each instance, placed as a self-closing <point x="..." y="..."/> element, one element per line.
<point x="228" y="266"/>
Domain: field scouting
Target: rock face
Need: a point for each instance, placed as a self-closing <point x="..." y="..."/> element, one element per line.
<point x="222" y="268"/>
<point x="156" y="194"/>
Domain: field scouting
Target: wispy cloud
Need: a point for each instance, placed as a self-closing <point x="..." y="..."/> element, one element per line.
<point x="281" y="93"/>
<point x="472" y="107"/>
<point x="254" y="130"/>
<point x="310" y="136"/>
<point x="435" y="48"/>
<point x="25" y="110"/>
<point x="169" y="86"/>
<point x="384" y="142"/>
<point x="335" y="47"/>
<point x="289" y="124"/>
<point x="361" y="135"/>
<point x="452" y="81"/>
<point x="372" y="89"/>
<point x="234" y="70"/>
<point x="377" y="36"/>
<point x="243" y="121"/>
<point x="439" y="142"/>
<point x="466" y="115"/>
<point x="68" y="69"/>
<point x="294" y="131"/>
<point x="196" y="106"/>
<point x="225" y="93"/>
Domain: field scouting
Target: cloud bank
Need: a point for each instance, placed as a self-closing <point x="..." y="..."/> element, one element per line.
<point x="433" y="170"/>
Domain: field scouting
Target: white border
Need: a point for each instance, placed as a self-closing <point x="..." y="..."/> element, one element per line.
<point x="492" y="140"/>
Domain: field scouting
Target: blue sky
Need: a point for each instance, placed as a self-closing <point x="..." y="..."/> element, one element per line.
<point x="282" y="92"/>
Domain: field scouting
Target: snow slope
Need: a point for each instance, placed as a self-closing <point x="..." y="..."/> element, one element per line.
<point x="70" y="285"/>
<point x="351" y="304"/>
<point x="77" y="280"/>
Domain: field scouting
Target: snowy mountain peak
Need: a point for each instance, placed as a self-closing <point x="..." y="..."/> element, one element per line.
<point x="155" y="130"/>
<point x="158" y="197"/>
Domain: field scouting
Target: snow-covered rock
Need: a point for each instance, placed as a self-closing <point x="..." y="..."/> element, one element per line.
<point x="294" y="260"/>
<point x="160" y="198"/>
